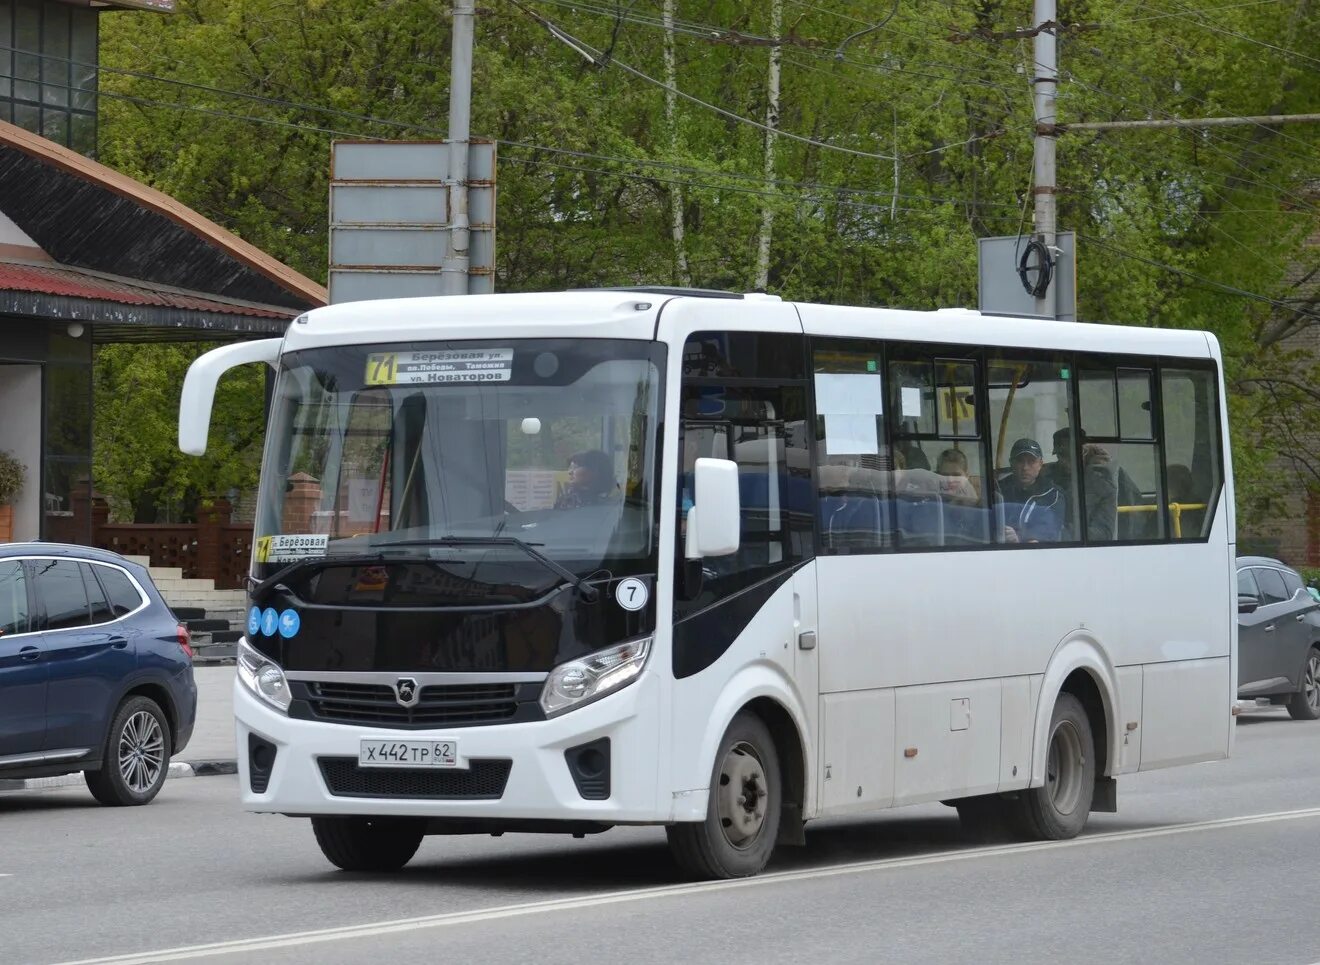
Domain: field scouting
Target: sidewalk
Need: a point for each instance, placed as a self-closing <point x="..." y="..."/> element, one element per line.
<point x="213" y="734"/>
<point x="210" y="751"/>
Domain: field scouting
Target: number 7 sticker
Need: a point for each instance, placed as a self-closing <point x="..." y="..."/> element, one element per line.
<point x="631" y="594"/>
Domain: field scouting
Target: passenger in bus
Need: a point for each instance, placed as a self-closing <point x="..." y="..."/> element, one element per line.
<point x="952" y="465"/>
<point x="590" y="481"/>
<point x="1034" y="508"/>
<point x="965" y="517"/>
<point x="1099" y="485"/>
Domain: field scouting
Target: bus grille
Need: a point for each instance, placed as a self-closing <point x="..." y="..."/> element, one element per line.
<point x="374" y="705"/>
<point x="483" y="780"/>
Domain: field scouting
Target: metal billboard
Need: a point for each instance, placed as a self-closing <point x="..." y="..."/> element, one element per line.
<point x="1003" y="283"/>
<point x="391" y="232"/>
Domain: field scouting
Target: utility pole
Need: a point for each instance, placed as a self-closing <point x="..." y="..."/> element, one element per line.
<point x="460" y="119"/>
<point x="1045" y="83"/>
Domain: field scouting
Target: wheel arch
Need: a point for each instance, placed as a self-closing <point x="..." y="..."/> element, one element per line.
<point x="1081" y="667"/>
<point x="156" y="690"/>
<point x="762" y="689"/>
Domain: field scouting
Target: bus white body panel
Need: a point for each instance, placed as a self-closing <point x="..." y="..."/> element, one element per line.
<point x="889" y="675"/>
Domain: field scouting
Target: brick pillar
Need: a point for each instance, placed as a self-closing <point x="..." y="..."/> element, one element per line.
<point x="212" y="516"/>
<point x="302" y="499"/>
<point x="90" y="513"/>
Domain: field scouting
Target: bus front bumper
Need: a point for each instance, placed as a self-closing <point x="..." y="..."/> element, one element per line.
<point x="311" y="755"/>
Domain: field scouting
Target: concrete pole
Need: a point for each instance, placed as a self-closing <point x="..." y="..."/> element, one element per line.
<point x="460" y="120"/>
<point x="1045" y="82"/>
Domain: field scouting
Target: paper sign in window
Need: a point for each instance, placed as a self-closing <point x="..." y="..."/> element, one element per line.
<point x="911" y="402"/>
<point x="851" y="434"/>
<point x="849" y="394"/>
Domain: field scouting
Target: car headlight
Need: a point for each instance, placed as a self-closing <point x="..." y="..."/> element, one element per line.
<point x="262" y="676"/>
<point x="578" y="682"/>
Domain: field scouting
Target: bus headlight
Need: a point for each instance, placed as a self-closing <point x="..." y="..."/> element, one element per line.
<point x="262" y="676"/>
<point x="578" y="682"/>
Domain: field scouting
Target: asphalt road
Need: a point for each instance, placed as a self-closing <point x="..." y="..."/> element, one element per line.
<point x="1187" y="871"/>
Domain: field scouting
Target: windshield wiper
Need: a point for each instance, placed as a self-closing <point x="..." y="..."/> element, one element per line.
<point x="587" y="592"/>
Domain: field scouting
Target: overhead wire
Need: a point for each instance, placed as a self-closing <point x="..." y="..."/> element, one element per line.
<point x="1201" y="279"/>
<point x="1205" y="23"/>
<point x="722" y="111"/>
<point x="304" y="127"/>
<point x="427" y="129"/>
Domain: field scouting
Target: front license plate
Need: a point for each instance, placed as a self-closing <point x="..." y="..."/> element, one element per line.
<point x="387" y="753"/>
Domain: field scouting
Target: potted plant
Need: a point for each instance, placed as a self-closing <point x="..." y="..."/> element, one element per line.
<point x="12" y="473"/>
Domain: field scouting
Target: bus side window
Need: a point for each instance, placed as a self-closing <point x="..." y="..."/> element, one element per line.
<point x="762" y="429"/>
<point x="1191" y="447"/>
<point x="1121" y="477"/>
<point x="853" y="459"/>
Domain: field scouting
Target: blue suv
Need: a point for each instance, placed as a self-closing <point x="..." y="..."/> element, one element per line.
<point x="95" y="671"/>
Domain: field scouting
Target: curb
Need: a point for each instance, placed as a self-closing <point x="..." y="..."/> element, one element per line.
<point x="177" y="769"/>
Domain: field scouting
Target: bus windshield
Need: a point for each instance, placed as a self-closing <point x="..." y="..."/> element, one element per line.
<point x="549" y="442"/>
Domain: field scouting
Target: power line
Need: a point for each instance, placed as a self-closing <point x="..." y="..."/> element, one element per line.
<point x="427" y="129"/>
<point x="1201" y="279"/>
<point x="714" y="34"/>
<point x="556" y="30"/>
<point x="649" y="178"/>
<point x="1168" y="16"/>
<point x="1241" y="36"/>
<point x="1282" y="191"/>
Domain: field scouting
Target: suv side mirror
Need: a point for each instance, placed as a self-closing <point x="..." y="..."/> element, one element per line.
<point x="1248" y="604"/>
<point x="714" y="520"/>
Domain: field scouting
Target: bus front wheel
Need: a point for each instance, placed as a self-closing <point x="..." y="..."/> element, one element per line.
<point x="1060" y="807"/>
<point x="742" y="816"/>
<point x="369" y="844"/>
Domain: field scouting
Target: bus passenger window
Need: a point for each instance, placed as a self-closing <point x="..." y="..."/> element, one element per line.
<point x="854" y="464"/>
<point x="1191" y="446"/>
<point x="1035" y="456"/>
<point x="1121" y="485"/>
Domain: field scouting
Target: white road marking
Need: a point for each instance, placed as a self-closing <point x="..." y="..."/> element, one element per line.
<point x="292" y="939"/>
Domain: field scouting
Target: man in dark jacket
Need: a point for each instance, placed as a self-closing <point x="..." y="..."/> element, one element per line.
<point x="1035" y="510"/>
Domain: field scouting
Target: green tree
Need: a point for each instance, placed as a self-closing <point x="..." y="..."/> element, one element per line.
<point x="895" y="153"/>
<point x="138" y="463"/>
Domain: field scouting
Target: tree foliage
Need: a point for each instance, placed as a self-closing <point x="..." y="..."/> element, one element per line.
<point x="1167" y="220"/>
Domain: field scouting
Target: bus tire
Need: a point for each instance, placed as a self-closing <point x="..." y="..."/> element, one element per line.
<point x="742" y="817"/>
<point x="369" y="844"/>
<point x="1059" y="808"/>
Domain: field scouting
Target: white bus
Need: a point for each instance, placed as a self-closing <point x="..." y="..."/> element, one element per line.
<point x="726" y="564"/>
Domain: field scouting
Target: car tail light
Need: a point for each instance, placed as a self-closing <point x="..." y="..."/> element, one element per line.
<point x="185" y="641"/>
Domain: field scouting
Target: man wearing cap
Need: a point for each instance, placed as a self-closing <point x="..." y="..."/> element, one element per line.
<point x="1034" y="508"/>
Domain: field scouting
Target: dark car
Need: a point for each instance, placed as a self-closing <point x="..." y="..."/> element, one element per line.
<point x="1278" y="637"/>
<point x="95" y="671"/>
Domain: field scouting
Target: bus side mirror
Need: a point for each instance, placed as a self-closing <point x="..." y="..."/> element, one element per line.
<point x="200" y="382"/>
<point x="714" y="520"/>
<point x="1248" y="604"/>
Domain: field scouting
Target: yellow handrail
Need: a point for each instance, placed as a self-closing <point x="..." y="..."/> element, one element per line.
<point x="1175" y="508"/>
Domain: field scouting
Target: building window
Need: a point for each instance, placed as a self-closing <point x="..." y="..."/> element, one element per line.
<point x="48" y="76"/>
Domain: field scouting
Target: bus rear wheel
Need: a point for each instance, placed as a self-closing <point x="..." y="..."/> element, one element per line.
<point x="742" y="816"/>
<point x="369" y="844"/>
<point x="1059" y="809"/>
